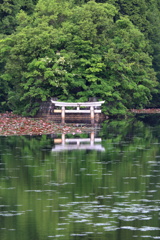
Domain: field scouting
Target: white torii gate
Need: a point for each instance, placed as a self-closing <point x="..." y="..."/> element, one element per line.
<point x="77" y="105"/>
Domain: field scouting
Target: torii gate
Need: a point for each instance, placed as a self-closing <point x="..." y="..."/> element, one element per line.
<point x="77" y="105"/>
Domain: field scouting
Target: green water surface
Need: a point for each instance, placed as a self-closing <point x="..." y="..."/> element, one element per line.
<point x="106" y="190"/>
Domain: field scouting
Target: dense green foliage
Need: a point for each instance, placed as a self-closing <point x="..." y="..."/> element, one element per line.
<point x="74" y="50"/>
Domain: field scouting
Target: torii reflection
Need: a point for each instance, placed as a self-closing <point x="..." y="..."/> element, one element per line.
<point x="92" y="143"/>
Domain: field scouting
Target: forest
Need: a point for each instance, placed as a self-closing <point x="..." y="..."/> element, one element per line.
<point x="77" y="49"/>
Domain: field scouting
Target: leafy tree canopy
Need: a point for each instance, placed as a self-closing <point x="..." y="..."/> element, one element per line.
<point x="74" y="52"/>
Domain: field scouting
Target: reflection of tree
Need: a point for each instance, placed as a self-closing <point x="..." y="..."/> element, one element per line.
<point x="55" y="186"/>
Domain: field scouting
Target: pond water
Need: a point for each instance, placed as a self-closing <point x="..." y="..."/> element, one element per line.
<point x="100" y="185"/>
